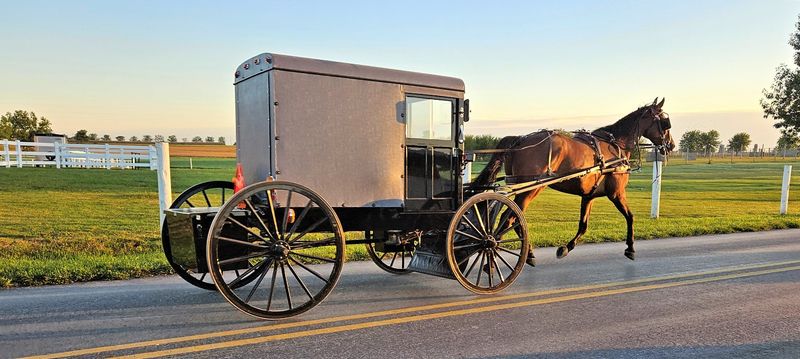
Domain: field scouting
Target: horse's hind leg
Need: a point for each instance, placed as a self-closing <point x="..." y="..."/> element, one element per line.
<point x="621" y="202"/>
<point x="583" y="224"/>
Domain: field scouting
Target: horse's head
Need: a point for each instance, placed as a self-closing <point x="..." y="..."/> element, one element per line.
<point x="656" y="125"/>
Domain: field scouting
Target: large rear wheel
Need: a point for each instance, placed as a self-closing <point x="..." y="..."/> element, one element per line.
<point x="393" y="258"/>
<point x="206" y="194"/>
<point x="292" y="238"/>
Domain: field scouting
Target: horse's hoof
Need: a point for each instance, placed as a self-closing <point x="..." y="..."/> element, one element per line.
<point x="630" y="254"/>
<point x="531" y="260"/>
<point x="562" y="252"/>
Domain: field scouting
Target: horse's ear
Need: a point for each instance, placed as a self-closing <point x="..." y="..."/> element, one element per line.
<point x="655" y="101"/>
<point x="661" y="104"/>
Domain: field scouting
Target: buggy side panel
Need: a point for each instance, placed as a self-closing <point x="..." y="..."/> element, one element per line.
<point x="342" y="137"/>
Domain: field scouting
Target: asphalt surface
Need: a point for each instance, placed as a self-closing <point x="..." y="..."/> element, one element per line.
<point x="718" y="296"/>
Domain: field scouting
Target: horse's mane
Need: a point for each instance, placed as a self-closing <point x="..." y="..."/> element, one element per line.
<point x="625" y="124"/>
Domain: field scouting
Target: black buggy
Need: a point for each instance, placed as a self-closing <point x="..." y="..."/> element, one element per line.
<point x="338" y="154"/>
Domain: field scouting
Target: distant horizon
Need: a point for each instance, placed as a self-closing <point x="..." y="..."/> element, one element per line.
<point x="703" y="121"/>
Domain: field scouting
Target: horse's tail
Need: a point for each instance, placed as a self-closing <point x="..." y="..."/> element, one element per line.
<point x="489" y="173"/>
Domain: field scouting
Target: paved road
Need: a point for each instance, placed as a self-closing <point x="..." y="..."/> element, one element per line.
<point x="713" y="296"/>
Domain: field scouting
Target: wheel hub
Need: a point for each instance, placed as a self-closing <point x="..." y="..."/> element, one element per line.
<point x="281" y="249"/>
<point x="490" y="242"/>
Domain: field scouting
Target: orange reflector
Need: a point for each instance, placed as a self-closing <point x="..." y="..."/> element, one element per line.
<point x="238" y="182"/>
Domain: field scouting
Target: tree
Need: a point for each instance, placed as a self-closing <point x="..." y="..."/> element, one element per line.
<point x="709" y="141"/>
<point x="197" y="139"/>
<point x="480" y="142"/>
<point x="739" y="142"/>
<point x="158" y="138"/>
<point x="106" y="138"/>
<point x="21" y="125"/>
<point x="5" y="131"/>
<point x="147" y="138"/>
<point x="134" y="139"/>
<point x="172" y="138"/>
<point x="787" y="141"/>
<point x="184" y="140"/>
<point x="120" y="138"/>
<point x="691" y="141"/>
<point x="209" y="139"/>
<point x="781" y="101"/>
<point x="93" y="137"/>
<point x="221" y="140"/>
<point x="81" y="136"/>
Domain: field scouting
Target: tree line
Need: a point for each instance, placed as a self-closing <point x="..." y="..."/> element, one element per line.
<point x="82" y="136"/>
<point x="23" y="125"/>
<point x="709" y="142"/>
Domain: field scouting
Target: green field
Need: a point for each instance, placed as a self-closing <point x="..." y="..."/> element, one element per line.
<point x="61" y="226"/>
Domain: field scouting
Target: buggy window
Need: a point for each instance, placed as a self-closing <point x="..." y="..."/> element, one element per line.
<point x="429" y="119"/>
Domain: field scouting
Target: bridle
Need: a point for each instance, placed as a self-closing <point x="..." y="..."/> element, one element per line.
<point x="664" y="124"/>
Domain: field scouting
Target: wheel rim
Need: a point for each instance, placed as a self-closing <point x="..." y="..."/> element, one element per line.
<point x="392" y="262"/>
<point x="206" y="194"/>
<point x="487" y="243"/>
<point x="297" y="254"/>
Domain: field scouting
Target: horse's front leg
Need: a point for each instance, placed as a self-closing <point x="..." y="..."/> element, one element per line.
<point x="583" y="225"/>
<point x="523" y="200"/>
<point x="621" y="202"/>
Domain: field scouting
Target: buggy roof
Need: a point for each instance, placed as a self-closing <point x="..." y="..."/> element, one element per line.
<point x="267" y="62"/>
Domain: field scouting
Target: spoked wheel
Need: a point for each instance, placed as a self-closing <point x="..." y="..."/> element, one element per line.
<point x="292" y="238"/>
<point x="395" y="261"/>
<point x="487" y="243"/>
<point x="206" y="194"/>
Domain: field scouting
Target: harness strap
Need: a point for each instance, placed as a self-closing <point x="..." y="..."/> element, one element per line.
<point x="550" y="153"/>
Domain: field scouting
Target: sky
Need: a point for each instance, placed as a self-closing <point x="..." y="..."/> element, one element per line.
<point x="166" y="67"/>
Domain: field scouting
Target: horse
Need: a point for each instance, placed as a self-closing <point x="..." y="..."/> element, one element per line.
<point x="527" y="159"/>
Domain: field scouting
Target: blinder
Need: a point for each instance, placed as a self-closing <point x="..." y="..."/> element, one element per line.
<point x="665" y="123"/>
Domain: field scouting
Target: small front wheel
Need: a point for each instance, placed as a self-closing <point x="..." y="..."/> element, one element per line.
<point x="487" y="243"/>
<point x="291" y="237"/>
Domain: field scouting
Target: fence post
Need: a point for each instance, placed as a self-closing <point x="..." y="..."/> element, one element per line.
<point x="19" y="154"/>
<point x="191" y="167"/>
<point x="164" y="180"/>
<point x="57" y="152"/>
<point x="656" y="195"/>
<point x="787" y="176"/>
<point x="108" y="157"/>
<point x="6" y="154"/>
<point x="154" y="157"/>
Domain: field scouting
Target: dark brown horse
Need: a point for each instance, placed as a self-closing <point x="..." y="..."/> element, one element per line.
<point x="545" y="154"/>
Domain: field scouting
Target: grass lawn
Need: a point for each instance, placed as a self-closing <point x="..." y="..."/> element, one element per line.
<point x="61" y="226"/>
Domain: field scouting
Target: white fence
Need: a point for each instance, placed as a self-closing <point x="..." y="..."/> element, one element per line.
<point x="60" y="155"/>
<point x="20" y="153"/>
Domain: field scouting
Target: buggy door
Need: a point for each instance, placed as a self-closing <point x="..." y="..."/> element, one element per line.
<point x="431" y="166"/>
